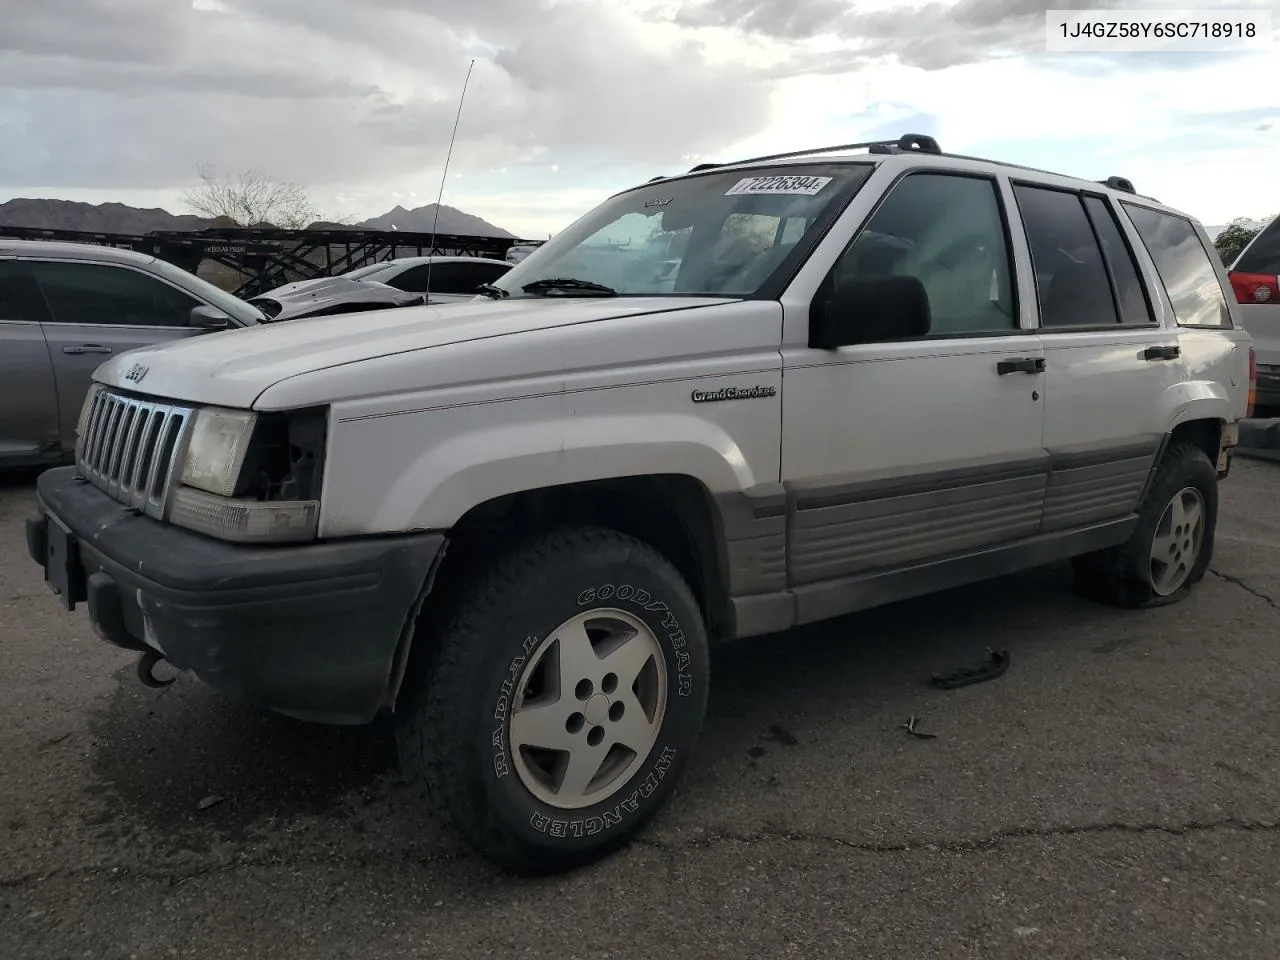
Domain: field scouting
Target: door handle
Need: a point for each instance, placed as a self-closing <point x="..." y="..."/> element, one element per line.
<point x="1020" y="365"/>
<point x="1161" y="353"/>
<point x="87" y="348"/>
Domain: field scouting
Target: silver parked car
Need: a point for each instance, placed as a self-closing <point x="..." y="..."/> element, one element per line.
<point x="67" y="307"/>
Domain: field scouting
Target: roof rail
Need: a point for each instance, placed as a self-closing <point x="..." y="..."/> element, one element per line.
<point x="908" y="143"/>
<point x="911" y="142"/>
<point x="1119" y="183"/>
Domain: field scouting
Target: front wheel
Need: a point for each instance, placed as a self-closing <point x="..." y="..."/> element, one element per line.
<point x="1172" y="543"/>
<point x="564" y="695"/>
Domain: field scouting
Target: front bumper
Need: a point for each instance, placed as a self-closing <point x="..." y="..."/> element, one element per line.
<point x="317" y="631"/>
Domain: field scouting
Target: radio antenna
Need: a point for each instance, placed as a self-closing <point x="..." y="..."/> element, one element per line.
<point x="443" y="177"/>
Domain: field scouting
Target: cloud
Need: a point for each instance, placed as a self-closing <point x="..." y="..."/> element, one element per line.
<point x="932" y="35"/>
<point x="325" y="91"/>
<point x="90" y="30"/>
<point x="786" y="19"/>
<point x="573" y="99"/>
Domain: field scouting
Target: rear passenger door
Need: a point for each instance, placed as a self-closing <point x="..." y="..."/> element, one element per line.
<point x="28" y="399"/>
<point x="97" y="310"/>
<point x="1108" y="359"/>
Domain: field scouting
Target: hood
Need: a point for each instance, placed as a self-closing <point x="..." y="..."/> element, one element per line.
<point x="309" y="296"/>
<point x="233" y="368"/>
<point x="298" y="286"/>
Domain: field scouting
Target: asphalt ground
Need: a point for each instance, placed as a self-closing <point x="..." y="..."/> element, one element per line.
<point x="1113" y="795"/>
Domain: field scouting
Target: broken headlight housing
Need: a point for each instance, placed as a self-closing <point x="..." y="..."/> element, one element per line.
<point x="253" y="477"/>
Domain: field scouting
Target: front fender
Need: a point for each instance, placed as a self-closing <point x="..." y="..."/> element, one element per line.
<point x="467" y="470"/>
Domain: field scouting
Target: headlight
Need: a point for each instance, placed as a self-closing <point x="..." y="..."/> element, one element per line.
<point x="253" y="478"/>
<point x="215" y="454"/>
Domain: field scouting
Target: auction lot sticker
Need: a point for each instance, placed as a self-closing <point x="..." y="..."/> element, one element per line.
<point x="779" y="186"/>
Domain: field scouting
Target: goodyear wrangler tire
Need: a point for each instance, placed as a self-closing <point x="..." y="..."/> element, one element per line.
<point x="1172" y="543"/>
<point x="565" y="693"/>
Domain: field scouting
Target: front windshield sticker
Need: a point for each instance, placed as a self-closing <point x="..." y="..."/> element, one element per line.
<point x="660" y="202"/>
<point x="777" y="185"/>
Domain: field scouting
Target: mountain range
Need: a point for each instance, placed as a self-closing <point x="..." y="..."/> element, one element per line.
<point x="120" y="218"/>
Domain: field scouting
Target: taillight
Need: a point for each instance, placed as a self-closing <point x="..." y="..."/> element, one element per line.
<point x="1255" y="287"/>
<point x="1253" y="382"/>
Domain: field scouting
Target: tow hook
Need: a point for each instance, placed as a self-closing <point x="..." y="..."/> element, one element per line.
<point x="147" y="663"/>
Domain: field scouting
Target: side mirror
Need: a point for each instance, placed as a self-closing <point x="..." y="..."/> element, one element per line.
<point x="205" y="317"/>
<point x="871" y="310"/>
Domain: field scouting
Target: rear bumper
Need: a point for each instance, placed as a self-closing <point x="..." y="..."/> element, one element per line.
<point x="316" y="631"/>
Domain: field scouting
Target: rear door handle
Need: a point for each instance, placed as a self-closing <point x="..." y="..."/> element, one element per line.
<point x="1161" y="353"/>
<point x="87" y="348"/>
<point x="1020" y="365"/>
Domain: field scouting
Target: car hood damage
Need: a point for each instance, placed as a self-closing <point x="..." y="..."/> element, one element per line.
<point x="234" y="368"/>
<point x="330" y="295"/>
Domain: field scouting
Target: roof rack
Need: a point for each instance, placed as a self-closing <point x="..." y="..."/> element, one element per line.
<point x="1121" y="184"/>
<point x="908" y="143"/>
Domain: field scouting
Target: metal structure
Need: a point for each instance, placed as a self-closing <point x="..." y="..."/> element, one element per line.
<point x="269" y="257"/>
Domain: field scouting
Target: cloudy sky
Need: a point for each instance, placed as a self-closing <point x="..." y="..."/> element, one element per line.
<point x="571" y="100"/>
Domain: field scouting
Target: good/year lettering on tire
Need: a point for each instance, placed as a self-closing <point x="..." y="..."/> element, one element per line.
<point x="588" y="654"/>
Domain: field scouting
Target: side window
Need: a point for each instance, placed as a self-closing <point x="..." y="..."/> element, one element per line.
<point x="472" y="275"/>
<point x="11" y="307"/>
<point x="1134" y="305"/>
<point x="1184" y="266"/>
<point x="446" y="278"/>
<point x="99" y="294"/>
<point x="947" y="231"/>
<point x="413" y="280"/>
<point x="755" y="231"/>
<point x="1071" y="280"/>
<point x="793" y="229"/>
<point x="489" y="272"/>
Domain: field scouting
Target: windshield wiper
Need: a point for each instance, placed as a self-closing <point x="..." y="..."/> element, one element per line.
<point x="492" y="292"/>
<point x="568" y="283"/>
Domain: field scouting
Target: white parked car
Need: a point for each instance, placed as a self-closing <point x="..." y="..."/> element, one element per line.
<point x="1255" y="279"/>
<point x="518" y="251"/>
<point x="516" y="524"/>
<point x="380" y="286"/>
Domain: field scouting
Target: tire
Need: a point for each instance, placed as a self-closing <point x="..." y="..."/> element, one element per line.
<point x="1126" y="575"/>
<point x="503" y="652"/>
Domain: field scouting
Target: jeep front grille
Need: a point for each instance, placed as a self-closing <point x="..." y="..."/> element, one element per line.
<point x="128" y="449"/>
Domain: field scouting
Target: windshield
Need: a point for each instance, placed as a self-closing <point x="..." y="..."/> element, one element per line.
<point x="369" y="270"/>
<point x="717" y="234"/>
<point x="228" y="303"/>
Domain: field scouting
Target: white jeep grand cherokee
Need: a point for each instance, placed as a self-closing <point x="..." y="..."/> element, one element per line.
<point x="757" y="395"/>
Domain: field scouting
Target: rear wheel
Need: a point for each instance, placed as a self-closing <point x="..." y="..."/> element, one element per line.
<point x="564" y="695"/>
<point x="1172" y="543"/>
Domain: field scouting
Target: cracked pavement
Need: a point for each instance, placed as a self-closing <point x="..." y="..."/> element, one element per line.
<point x="1116" y="794"/>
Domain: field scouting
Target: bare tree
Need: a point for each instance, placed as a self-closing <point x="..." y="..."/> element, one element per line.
<point x="251" y="198"/>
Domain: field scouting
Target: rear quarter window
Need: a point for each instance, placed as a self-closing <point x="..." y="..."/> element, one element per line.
<point x="1185" y="267"/>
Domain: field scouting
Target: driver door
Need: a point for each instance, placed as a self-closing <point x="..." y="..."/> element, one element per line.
<point x="901" y="453"/>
